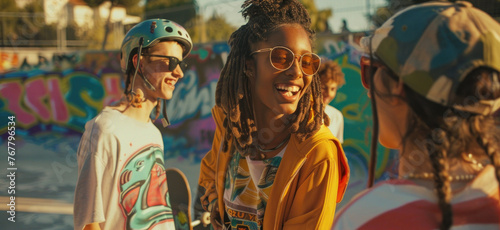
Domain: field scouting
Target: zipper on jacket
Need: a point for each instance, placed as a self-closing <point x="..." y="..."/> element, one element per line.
<point x="278" y="210"/>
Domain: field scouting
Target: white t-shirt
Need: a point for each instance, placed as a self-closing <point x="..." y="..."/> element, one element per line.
<point x="336" y="122"/>
<point x="121" y="175"/>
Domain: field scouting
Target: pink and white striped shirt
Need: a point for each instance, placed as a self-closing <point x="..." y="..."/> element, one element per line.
<point x="402" y="204"/>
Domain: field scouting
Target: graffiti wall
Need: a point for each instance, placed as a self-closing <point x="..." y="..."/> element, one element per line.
<point x="355" y="105"/>
<point x="52" y="95"/>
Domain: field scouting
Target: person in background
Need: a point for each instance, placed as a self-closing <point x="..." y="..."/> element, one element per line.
<point x="121" y="173"/>
<point x="273" y="162"/>
<point x="432" y="71"/>
<point x="332" y="79"/>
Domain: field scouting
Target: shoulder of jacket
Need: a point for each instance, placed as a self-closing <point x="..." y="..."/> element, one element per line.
<point x="324" y="135"/>
<point x="218" y="114"/>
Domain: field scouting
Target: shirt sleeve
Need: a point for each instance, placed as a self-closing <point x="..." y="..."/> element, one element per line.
<point x="208" y="165"/>
<point x="92" y="156"/>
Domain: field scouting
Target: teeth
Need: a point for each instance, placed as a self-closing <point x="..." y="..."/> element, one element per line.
<point x="292" y="89"/>
<point x="170" y="82"/>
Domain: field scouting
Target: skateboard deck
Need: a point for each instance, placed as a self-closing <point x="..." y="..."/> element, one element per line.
<point x="180" y="198"/>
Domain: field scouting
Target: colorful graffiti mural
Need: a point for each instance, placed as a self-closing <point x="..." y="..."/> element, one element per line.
<point x="53" y="95"/>
<point x="355" y="105"/>
<point x="62" y="95"/>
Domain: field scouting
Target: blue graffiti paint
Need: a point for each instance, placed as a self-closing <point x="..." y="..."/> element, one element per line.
<point x="189" y="101"/>
<point x="83" y="85"/>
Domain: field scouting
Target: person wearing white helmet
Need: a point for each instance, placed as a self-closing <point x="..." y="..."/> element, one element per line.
<point x="121" y="173"/>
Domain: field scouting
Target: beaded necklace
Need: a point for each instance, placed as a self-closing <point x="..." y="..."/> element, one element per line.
<point x="463" y="177"/>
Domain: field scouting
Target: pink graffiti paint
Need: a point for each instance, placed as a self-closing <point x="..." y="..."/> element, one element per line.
<point x="36" y="92"/>
<point x="57" y="104"/>
<point x="12" y="92"/>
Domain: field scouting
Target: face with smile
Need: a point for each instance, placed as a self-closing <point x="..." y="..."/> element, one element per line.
<point x="277" y="92"/>
<point x="156" y="69"/>
<point x="329" y="91"/>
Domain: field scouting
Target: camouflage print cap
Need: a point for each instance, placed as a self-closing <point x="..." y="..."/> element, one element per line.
<point x="433" y="46"/>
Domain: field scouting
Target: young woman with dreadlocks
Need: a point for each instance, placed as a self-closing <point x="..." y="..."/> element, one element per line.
<point x="273" y="162"/>
<point x="121" y="173"/>
<point x="435" y="88"/>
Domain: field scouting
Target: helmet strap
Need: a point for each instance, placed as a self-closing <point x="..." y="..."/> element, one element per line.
<point x="373" y="147"/>
<point x="165" y="122"/>
<point x="146" y="81"/>
<point x="141" y="39"/>
<point x="134" y="98"/>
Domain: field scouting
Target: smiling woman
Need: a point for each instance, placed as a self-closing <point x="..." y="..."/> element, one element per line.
<point x="271" y="124"/>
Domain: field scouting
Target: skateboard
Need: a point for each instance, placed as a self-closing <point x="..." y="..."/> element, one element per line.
<point x="180" y="200"/>
<point x="200" y="215"/>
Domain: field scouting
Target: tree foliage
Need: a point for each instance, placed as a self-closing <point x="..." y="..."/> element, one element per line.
<point x="96" y="3"/>
<point x="8" y="24"/>
<point x="125" y="3"/>
<point x="215" y="28"/>
<point x="20" y="25"/>
<point x="180" y="11"/>
<point x="319" y="18"/>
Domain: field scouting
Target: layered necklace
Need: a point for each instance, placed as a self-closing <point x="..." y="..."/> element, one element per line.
<point x="264" y="151"/>
<point x="463" y="177"/>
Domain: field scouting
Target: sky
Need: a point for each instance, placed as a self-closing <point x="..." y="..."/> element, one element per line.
<point x="353" y="11"/>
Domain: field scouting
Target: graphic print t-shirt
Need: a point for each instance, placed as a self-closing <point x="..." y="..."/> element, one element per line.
<point x="121" y="175"/>
<point x="247" y="188"/>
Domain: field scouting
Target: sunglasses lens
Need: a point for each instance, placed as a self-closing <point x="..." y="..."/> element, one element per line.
<point x="310" y="63"/>
<point x="173" y="62"/>
<point x="183" y="66"/>
<point x="281" y="58"/>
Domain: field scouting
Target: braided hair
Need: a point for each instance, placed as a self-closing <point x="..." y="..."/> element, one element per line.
<point x="129" y="75"/>
<point x="446" y="125"/>
<point x="233" y="88"/>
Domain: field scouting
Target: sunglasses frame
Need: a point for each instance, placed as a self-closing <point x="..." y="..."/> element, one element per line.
<point x="372" y="64"/>
<point x="291" y="63"/>
<point x="171" y="59"/>
<point x="366" y="64"/>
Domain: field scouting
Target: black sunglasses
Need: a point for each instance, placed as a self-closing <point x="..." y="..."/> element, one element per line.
<point x="172" y="62"/>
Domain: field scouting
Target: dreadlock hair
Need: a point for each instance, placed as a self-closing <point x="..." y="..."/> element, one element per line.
<point x="445" y="125"/>
<point x="233" y="88"/>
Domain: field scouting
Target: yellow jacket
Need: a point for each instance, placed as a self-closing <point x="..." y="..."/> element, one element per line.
<point x="313" y="177"/>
